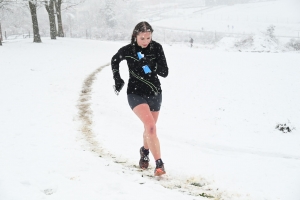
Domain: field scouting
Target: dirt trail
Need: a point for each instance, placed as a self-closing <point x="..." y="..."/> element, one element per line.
<point x="85" y="112"/>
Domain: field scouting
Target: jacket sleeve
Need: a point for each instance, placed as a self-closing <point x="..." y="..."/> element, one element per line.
<point x="115" y="61"/>
<point x="161" y="65"/>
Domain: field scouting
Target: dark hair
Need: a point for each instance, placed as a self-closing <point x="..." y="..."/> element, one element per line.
<point x="139" y="28"/>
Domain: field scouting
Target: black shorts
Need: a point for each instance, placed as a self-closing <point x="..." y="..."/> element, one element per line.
<point x="154" y="102"/>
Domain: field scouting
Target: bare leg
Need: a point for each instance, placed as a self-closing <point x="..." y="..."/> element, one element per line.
<point x="149" y="120"/>
<point x="155" y="116"/>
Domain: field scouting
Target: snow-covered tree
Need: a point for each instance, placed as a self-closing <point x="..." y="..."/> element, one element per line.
<point x="270" y="31"/>
<point x="0" y="35"/>
<point x="64" y="5"/>
<point x="32" y="4"/>
<point x="35" y="25"/>
<point x="3" y="6"/>
<point x="50" y="9"/>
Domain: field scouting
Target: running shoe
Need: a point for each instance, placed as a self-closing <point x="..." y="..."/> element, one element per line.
<point x="160" y="169"/>
<point x="144" y="160"/>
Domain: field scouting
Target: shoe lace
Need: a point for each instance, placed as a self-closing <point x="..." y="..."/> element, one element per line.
<point x="145" y="158"/>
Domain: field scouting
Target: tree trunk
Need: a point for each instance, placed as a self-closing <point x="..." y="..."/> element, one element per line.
<point x="50" y="10"/>
<point x="0" y="35"/>
<point x="35" y="25"/>
<point x="60" y="32"/>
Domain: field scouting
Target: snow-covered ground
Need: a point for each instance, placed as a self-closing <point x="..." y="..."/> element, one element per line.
<point x="217" y="125"/>
<point x="238" y="18"/>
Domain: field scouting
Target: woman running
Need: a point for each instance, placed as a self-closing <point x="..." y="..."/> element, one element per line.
<point x="145" y="59"/>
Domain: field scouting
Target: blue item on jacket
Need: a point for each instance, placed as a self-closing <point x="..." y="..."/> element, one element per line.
<point x="145" y="67"/>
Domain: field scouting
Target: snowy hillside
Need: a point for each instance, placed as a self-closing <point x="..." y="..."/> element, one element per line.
<point x="238" y="18"/>
<point x="238" y="27"/>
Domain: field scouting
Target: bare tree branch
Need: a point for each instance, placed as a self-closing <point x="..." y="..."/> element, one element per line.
<point x="69" y="4"/>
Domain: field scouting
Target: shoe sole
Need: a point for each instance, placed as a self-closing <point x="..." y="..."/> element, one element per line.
<point x="159" y="172"/>
<point x="143" y="165"/>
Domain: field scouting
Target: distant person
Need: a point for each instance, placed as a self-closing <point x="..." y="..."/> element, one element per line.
<point x="144" y="92"/>
<point x="191" y="41"/>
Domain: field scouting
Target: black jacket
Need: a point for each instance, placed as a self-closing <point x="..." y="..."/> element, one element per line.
<point x="140" y="83"/>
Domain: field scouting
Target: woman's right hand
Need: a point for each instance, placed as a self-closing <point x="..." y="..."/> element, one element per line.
<point x="119" y="83"/>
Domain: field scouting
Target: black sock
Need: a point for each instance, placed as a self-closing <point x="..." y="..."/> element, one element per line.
<point x="159" y="162"/>
<point x="145" y="151"/>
